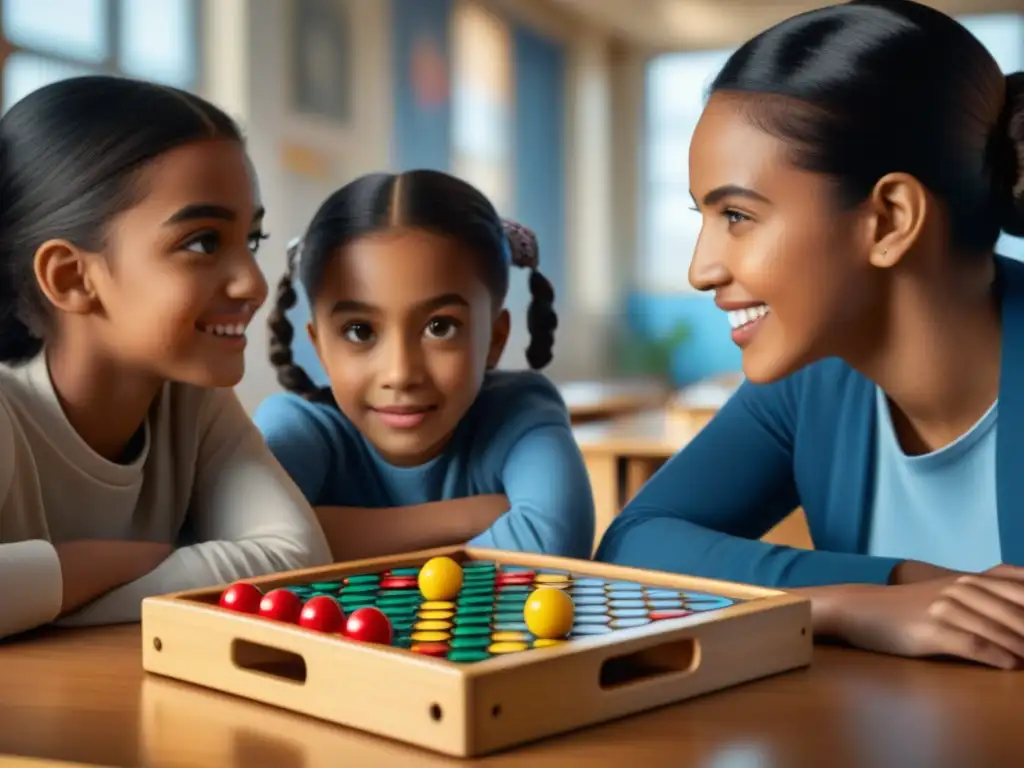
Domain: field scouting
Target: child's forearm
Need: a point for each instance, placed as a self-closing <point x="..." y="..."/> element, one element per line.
<point x="358" y="532"/>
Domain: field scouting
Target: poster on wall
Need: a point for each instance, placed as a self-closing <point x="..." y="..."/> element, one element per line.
<point x="322" y="59"/>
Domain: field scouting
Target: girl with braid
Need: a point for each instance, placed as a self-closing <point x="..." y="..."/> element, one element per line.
<point x="419" y="441"/>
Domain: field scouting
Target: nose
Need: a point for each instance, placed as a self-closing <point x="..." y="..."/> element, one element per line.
<point x="708" y="271"/>
<point x="401" y="363"/>
<point x="247" y="281"/>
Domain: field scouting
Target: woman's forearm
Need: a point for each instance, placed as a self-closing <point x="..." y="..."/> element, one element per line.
<point x="358" y="532"/>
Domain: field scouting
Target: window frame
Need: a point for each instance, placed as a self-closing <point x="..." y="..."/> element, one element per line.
<point x="111" y="62"/>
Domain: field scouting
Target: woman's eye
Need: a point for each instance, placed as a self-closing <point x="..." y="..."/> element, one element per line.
<point x="207" y="243"/>
<point x="735" y="217"/>
<point x="358" y="333"/>
<point x="442" y="328"/>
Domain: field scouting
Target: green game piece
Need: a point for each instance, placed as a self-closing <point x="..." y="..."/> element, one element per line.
<point x="479" y="618"/>
<point x="354" y="588"/>
<point x="399" y="599"/>
<point x="475" y="600"/>
<point x="476" y="592"/>
<point x="473" y="565"/>
<point x="516" y="589"/>
<point x="403" y="625"/>
<point x="511" y="600"/>
<point x="511" y="626"/>
<point x="465" y="610"/>
<point x="469" y="630"/>
<point x="470" y="641"/>
<point x="468" y="656"/>
<point x="325" y="585"/>
<point x="516" y="569"/>
<point x="405" y="572"/>
<point x="502" y="618"/>
<point x="364" y="578"/>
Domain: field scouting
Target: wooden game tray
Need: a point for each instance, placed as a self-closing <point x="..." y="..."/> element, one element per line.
<point x="469" y="710"/>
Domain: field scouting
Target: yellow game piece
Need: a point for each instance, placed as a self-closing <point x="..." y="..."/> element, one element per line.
<point x="509" y="637"/>
<point x="498" y="648"/>
<point x="430" y="637"/>
<point x="549" y="613"/>
<point x="435" y="614"/>
<point x="440" y="579"/>
<point x="437" y="605"/>
<point x="550" y="579"/>
<point x="547" y="643"/>
<point x="427" y="625"/>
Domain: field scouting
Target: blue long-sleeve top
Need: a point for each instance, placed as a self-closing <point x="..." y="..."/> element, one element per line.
<point x="805" y="441"/>
<point x="515" y="440"/>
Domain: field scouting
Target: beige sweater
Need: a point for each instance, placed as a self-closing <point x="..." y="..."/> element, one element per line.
<point x="203" y="460"/>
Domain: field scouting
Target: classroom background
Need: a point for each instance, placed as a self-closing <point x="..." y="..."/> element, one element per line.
<point x="574" y="116"/>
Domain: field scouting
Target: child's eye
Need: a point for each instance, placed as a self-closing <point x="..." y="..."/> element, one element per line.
<point x="206" y="243"/>
<point x="443" y="328"/>
<point x="358" y="333"/>
<point x="255" y="238"/>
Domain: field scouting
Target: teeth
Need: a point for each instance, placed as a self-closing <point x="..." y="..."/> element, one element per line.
<point x="740" y="317"/>
<point x="234" y="330"/>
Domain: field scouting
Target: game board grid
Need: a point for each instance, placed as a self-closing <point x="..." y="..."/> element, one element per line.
<point x="486" y="618"/>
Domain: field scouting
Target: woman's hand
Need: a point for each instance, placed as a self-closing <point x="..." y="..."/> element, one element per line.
<point x="91" y="568"/>
<point x="978" y="617"/>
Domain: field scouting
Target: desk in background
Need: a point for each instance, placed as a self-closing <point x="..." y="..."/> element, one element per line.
<point x="623" y="453"/>
<point x="590" y="401"/>
<point x="82" y="696"/>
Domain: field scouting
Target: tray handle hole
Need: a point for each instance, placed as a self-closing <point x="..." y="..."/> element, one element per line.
<point x="436" y="713"/>
<point x="655" y="661"/>
<point x="264" y="660"/>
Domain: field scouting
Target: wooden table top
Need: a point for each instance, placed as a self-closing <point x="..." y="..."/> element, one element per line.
<point x="82" y="696"/>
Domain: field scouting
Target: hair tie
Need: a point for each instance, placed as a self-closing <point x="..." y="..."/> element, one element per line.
<point x="523" y="244"/>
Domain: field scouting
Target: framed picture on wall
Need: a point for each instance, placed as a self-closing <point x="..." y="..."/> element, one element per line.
<point x="322" y="59"/>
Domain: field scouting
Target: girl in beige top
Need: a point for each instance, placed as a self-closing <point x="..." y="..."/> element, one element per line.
<point x="129" y="222"/>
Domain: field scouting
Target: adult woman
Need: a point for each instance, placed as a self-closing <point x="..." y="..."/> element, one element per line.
<point x="854" y="167"/>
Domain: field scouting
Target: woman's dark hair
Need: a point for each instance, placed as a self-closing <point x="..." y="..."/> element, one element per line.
<point x="70" y="154"/>
<point x="873" y="87"/>
<point x="427" y="200"/>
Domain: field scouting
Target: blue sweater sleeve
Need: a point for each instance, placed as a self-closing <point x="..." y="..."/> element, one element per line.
<point x="300" y="439"/>
<point x="551" y="508"/>
<point x="704" y="511"/>
<point x="524" y="444"/>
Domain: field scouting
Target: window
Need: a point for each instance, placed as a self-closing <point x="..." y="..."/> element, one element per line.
<point x="482" y="98"/>
<point x="48" y="40"/>
<point x="676" y="84"/>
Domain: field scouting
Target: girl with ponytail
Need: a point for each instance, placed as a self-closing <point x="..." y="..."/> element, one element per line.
<point x="419" y="441"/>
<point x="129" y="221"/>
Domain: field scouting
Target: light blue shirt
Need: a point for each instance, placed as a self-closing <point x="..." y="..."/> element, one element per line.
<point x="515" y="440"/>
<point x="940" y="507"/>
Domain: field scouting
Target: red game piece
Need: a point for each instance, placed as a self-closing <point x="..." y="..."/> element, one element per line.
<point x="661" y="615"/>
<point x="516" y="580"/>
<point x="322" y="614"/>
<point x="369" y="625"/>
<point x="242" y="597"/>
<point x="281" y="605"/>
<point x="397" y="582"/>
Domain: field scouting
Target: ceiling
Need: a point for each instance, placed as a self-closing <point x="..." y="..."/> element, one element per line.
<point x="688" y="24"/>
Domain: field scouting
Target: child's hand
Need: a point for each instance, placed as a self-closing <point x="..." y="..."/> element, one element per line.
<point x="90" y="569"/>
<point x="975" y="617"/>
